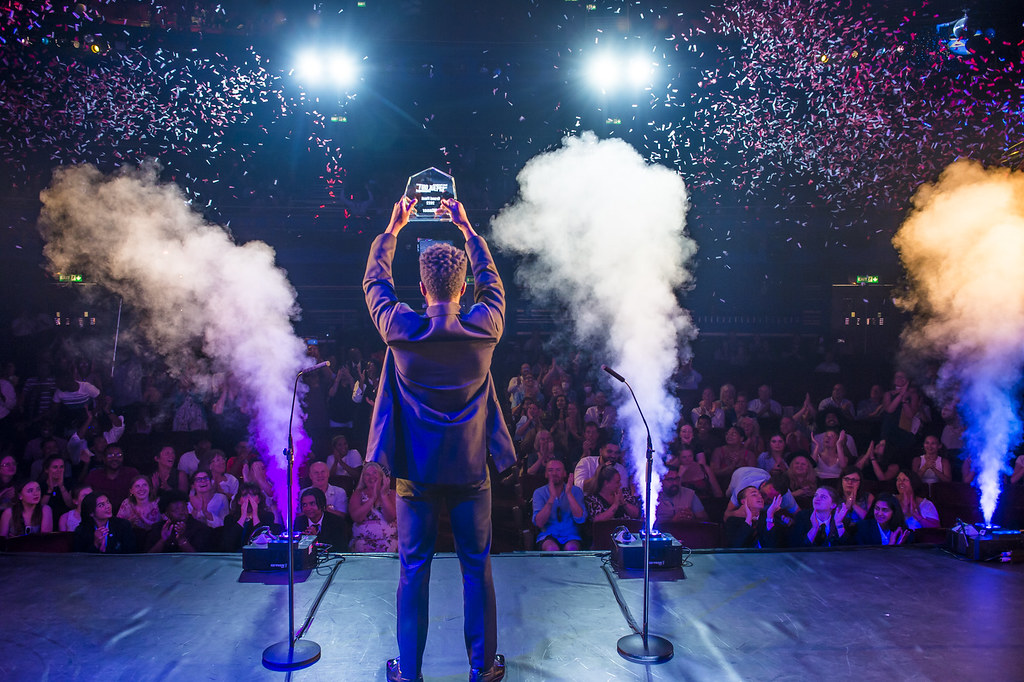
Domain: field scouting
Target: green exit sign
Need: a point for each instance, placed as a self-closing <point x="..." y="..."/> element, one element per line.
<point x="61" y="277"/>
<point x="867" y="279"/>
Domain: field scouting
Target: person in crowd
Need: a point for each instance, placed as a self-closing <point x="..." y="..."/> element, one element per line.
<point x="248" y="512"/>
<point x="586" y="472"/>
<point x="601" y="412"/>
<point x="733" y="455"/>
<point x="205" y="503"/>
<point x="753" y="441"/>
<point x="708" y="407"/>
<point x="795" y="434"/>
<point x="71" y="519"/>
<point x="952" y="435"/>
<point x="256" y="472"/>
<point x="28" y="514"/>
<point x="327" y="528"/>
<point x="725" y="405"/>
<point x="857" y="501"/>
<point x="374" y="519"/>
<point x="756" y="528"/>
<point x="341" y="411"/>
<point x="887" y="525"/>
<point x="238" y="464"/>
<point x="54" y="484"/>
<point x="740" y="410"/>
<point x="802" y="478"/>
<point x="528" y="426"/>
<point x="198" y="456"/>
<point x="8" y="482"/>
<point x="72" y="395"/>
<point x="113" y="480"/>
<point x="677" y="502"/>
<point x="567" y="428"/>
<point x="829" y="455"/>
<point x="179" y="532"/>
<point x="590" y="446"/>
<point x="34" y="448"/>
<point x="875" y="464"/>
<point x="694" y="473"/>
<point x="904" y="414"/>
<point x="611" y="500"/>
<point x="516" y="383"/>
<point x="344" y="460"/>
<point x="766" y="409"/>
<point x="837" y="400"/>
<point x="223" y="482"/>
<point x="774" y="458"/>
<point x="684" y="439"/>
<point x="100" y="531"/>
<point x="823" y="524"/>
<point x="931" y="466"/>
<point x="918" y="510"/>
<point x="770" y="485"/>
<point x="140" y="508"/>
<point x="167" y="476"/>
<point x="543" y="452"/>
<point x="558" y="509"/>
<point x="870" y="409"/>
<point x="337" y="498"/>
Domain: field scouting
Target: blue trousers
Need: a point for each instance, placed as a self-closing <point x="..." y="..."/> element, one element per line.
<point x="469" y="507"/>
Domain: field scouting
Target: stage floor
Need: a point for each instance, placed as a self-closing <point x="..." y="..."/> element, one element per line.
<point x="865" y="614"/>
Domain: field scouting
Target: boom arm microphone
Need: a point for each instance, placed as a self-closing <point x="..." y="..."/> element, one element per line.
<point x="319" y="365"/>
<point x="613" y="373"/>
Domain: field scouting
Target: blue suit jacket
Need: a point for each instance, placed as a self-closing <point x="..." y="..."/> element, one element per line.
<point x="437" y="413"/>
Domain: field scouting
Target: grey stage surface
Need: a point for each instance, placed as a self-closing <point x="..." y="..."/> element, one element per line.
<point x="887" y="614"/>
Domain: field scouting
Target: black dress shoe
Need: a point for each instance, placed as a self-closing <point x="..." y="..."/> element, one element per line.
<point x="395" y="673"/>
<point x="495" y="673"/>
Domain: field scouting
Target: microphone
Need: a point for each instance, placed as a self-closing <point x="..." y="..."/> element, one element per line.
<point x="319" y="365"/>
<point x="613" y="373"/>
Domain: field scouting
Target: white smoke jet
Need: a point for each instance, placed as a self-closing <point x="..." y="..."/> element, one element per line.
<point x="207" y="305"/>
<point x="604" y="232"/>
<point x="962" y="247"/>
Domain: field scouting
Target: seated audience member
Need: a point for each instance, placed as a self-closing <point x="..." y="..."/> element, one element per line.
<point x="918" y="510"/>
<point x="528" y="427"/>
<point x="870" y="409"/>
<point x="876" y="465"/>
<point x="542" y="453"/>
<point x="558" y="508"/>
<point x="8" y="482"/>
<point x="837" y="400"/>
<point x="725" y="406"/>
<point x="766" y="410"/>
<point x="205" y="504"/>
<point x="708" y="407"/>
<point x="752" y="429"/>
<point x="733" y="455"/>
<point x="568" y="430"/>
<point x="328" y="528"/>
<point x="196" y="457"/>
<point x="179" y="532"/>
<point x="952" y="437"/>
<point x="832" y="420"/>
<point x="101" y="531"/>
<point x="705" y="440"/>
<point x="140" y="508"/>
<point x="756" y="528"/>
<point x="830" y="457"/>
<point x="238" y="464"/>
<point x="887" y="526"/>
<point x="931" y="466"/>
<point x="858" y="503"/>
<point x="677" y="502"/>
<point x="337" y="498"/>
<point x="821" y="525"/>
<point x="114" y="480"/>
<point x="374" y="519"/>
<point x="695" y="474"/>
<point x="223" y="482"/>
<point x="774" y="458"/>
<point x="771" y="486"/>
<point x="684" y="439"/>
<point x="802" y="478"/>
<point x="28" y="514"/>
<point x="167" y="476"/>
<point x="803" y="419"/>
<point x="795" y="435"/>
<point x="601" y="412"/>
<point x="73" y="518"/>
<point x="590" y="445"/>
<point x="587" y="469"/>
<point x="248" y="512"/>
<point x="344" y="460"/>
<point x="610" y="499"/>
<point x="256" y="472"/>
<point x="55" y="491"/>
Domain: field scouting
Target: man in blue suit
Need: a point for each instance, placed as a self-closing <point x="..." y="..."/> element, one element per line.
<point x="435" y="419"/>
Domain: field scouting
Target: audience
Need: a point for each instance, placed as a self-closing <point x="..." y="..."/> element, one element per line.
<point x="115" y="479"/>
<point x="248" y="512"/>
<point x="677" y="502"/>
<point x="610" y="499"/>
<point x="755" y="527"/>
<point x="140" y="508"/>
<point x="887" y="525"/>
<point x="179" y="532"/>
<point x="918" y="510"/>
<point x="73" y="518"/>
<point x="558" y="510"/>
<point x="101" y="531"/>
<point x="374" y="520"/>
<point x="587" y="469"/>
<point x="28" y="514"/>
<point x="821" y="525"/>
<point x="327" y="528"/>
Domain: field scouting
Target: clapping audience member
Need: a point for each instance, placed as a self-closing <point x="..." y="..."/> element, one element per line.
<point x="190" y="462"/>
<point x="821" y="525"/>
<point x="327" y="528"/>
<point x="771" y="486"/>
<point x="858" y="503"/>
<point x="558" y="509"/>
<point x="590" y="445"/>
<point x="802" y="478"/>
<point x="114" y="480"/>
<point x="931" y="466"/>
<point x="140" y="508"/>
<point x="55" y="491"/>
<point x="101" y="531"/>
<point x="733" y="455"/>
<point x="601" y="412"/>
<point x="918" y="510"/>
<point x="223" y="482"/>
<point x="179" y="532"/>
<point x="610" y="499"/>
<point x="795" y="435"/>
<point x="70" y="520"/>
<point x="28" y="514"/>
<point x="695" y="474"/>
<point x="344" y="460"/>
<point x="529" y="425"/>
<point x="876" y="465"/>
<point x="774" y="458"/>
<point x="756" y="528"/>
<point x="248" y="512"/>
<point x="167" y="476"/>
<point x="256" y="472"/>
<point x="677" y="502"/>
<point x="708" y="407"/>
<point x="337" y="498"/>
<point x="837" y="400"/>
<point x="586" y="472"/>
<point x="542" y="453"/>
<point x="830" y="457"/>
<point x="374" y="519"/>
<point x="887" y="525"/>
<point x="767" y="411"/>
<point x="205" y="503"/>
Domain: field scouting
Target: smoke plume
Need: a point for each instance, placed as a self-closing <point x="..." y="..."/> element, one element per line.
<point x="207" y="305"/>
<point x="604" y="233"/>
<point x="962" y="247"/>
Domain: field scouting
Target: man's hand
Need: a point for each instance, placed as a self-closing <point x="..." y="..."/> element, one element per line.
<point x="403" y="210"/>
<point x="457" y="212"/>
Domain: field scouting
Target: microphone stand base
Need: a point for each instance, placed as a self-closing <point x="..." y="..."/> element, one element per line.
<point x="656" y="650"/>
<point x="287" y="656"/>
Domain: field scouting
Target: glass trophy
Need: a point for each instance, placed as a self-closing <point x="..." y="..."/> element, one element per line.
<point x="430" y="186"/>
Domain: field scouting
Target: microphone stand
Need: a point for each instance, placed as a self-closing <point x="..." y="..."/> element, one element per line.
<point x="644" y="647"/>
<point x="293" y="653"/>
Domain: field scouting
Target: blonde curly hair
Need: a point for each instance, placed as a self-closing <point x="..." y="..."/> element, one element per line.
<point x="443" y="271"/>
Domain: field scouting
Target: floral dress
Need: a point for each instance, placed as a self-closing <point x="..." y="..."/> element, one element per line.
<point x="375" y="533"/>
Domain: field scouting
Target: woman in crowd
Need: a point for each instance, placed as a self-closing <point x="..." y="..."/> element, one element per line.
<point x="543" y="452"/>
<point x="803" y="480"/>
<point x="931" y="466"/>
<point x="684" y="441"/>
<point x="919" y="511"/>
<point x="752" y="429"/>
<point x="8" y="482"/>
<point x="696" y="474"/>
<point x="28" y="514"/>
<point x="223" y="482"/>
<point x="876" y="465"/>
<point x="256" y="472"/>
<point x="344" y="460"/>
<point x="248" y="512"/>
<point x="821" y="525"/>
<point x="372" y="508"/>
<point x="167" y="476"/>
<point x="205" y="503"/>
<point x="887" y="525"/>
<point x="857" y="502"/>
<point x="101" y="531"/>
<point x="829" y="456"/>
<point x="55" y="493"/>
<point x="140" y="508"/>
<point x="611" y="501"/>
<point x="774" y="458"/>
<point x="70" y="521"/>
<point x="733" y="455"/>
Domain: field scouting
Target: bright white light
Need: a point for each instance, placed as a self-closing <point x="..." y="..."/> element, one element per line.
<point x="342" y="69"/>
<point x="604" y="73"/>
<point x="641" y="71"/>
<point x="309" y="68"/>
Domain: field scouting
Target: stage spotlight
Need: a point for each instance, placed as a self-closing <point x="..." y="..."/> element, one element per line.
<point x="342" y="69"/>
<point x="641" y="71"/>
<point x="604" y="73"/>
<point x="309" y="68"/>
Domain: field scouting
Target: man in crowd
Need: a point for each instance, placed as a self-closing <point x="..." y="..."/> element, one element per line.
<point x="587" y="468"/>
<point x="557" y="510"/>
